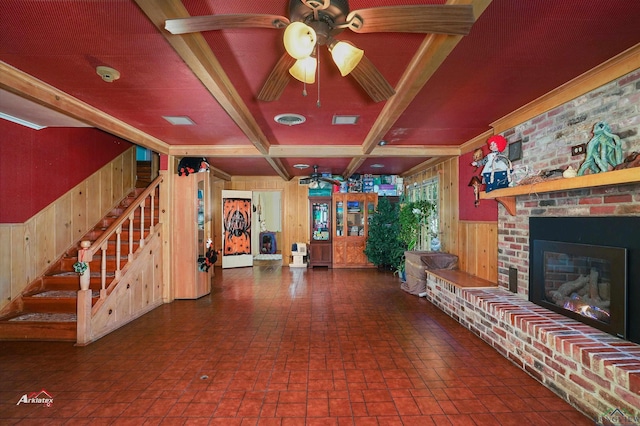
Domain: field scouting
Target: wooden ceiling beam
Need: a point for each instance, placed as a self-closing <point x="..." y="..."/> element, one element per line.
<point x="414" y="151"/>
<point x="215" y="151"/>
<point x="28" y="87"/>
<point x="430" y="55"/>
<point x="197" y="54"/>
<point x="314" y="151"/>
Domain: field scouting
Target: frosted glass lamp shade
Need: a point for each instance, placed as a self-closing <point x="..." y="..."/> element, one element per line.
<point x="346" y="56"/>
<point x="299" y="40"/>
<point x="304" y="70"/>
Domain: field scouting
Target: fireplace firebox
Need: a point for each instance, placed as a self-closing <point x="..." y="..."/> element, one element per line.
<point x="588" y="269"/>
<point x="584" y="282"/>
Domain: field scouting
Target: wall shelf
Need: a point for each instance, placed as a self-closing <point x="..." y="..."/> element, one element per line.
<point x="507" y="196"/>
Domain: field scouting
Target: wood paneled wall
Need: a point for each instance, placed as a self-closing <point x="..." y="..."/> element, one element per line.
<point x="475" y="243"/>
<point x="28" y="249"/>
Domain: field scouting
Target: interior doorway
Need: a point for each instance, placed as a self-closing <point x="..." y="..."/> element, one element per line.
<point x="266" y="239"/>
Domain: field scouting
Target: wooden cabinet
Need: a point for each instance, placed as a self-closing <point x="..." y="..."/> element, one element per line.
<point x="351" y="227"/>
<point x="191" y="229"/>
<point x="320" y="247"/>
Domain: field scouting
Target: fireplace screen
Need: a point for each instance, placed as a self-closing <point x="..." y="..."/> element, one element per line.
<point x="584" y="282"/>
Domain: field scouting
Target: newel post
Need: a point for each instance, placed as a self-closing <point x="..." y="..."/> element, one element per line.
<point x="83" y="314"/>
<point x="83" y="264"/>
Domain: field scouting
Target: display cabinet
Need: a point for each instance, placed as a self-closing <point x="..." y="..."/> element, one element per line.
<point x="191" y="229"/>
<point x="351" y="227"/>
<point x="320" y="247"/>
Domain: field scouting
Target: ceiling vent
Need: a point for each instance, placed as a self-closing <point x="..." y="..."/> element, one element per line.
<point x="289" y="119"/>
<point x="345" y="119"/>
<point x="179" y="120"/>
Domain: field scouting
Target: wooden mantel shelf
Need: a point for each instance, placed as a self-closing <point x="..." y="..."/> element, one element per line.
<point x="507" y="196"/>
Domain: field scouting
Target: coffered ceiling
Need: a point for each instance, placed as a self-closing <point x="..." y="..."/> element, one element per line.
<point x="449" y="89"/>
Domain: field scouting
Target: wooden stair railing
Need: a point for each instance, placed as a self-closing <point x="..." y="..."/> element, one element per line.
<point x="112" y="271"/>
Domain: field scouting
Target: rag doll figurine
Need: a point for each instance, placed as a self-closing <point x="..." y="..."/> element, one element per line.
<point x="496" y="172"/>
<point x="493" y="161"/>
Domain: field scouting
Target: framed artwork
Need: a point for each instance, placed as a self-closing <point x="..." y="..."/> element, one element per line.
<point x="515" y="150"/>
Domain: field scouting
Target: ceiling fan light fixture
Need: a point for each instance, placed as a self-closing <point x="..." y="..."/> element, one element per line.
<point x="299" y="40"/>
<point x="346" y="56"/>
<point x="304" y="70"/>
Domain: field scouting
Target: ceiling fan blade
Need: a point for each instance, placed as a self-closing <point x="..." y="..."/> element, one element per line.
<point x="372" y="81"/>
<point x="331" y="181"/>
<point x="434" y="18"/>
<point x="194" y="24"/>
<point x="277" y="80"/>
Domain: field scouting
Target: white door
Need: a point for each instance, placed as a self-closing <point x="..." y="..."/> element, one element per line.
<point x="236" y="229"/>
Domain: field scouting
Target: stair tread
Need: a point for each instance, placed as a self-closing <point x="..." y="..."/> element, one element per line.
<point x="61" y="294"/>
<point x="44" y="317"/>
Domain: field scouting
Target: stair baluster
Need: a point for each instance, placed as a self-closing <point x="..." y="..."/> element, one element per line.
<point x="118" y="251"/>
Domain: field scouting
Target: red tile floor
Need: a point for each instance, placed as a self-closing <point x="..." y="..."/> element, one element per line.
<point x="280" y="346"/>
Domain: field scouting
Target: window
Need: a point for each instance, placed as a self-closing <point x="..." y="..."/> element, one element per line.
<point x="428" y="190"/>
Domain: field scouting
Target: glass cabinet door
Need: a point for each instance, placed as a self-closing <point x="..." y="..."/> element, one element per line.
<point x="320" y="221"/>
<point x="355" y="218"/>
<point x="371" y="209"/>
<point x="200" y="213"/>
<point x="339" y="219"/>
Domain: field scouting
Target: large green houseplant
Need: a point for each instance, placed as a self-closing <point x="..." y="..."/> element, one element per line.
<point x="413" y="217"/>
<point x="383" y="248"/>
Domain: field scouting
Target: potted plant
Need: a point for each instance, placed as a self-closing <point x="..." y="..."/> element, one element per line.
<point x="413" y="217"/>
<point x="383" y="248"/>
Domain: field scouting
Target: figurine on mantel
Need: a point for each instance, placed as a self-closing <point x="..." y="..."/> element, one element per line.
<point x="497" y="169"/>
<point x="570" y="172"/>
<point x="603" y="150"/>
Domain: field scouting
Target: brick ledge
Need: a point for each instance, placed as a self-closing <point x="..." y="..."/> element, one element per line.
<point x="592" y="370"/>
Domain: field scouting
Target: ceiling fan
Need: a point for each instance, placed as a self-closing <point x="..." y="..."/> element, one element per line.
<point x="317" y="180"/>
<point x="313" y="23"/>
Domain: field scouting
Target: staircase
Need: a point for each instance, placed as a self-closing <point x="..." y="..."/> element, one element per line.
<point x="144" y="174"/>
<point x="47" y="308"/>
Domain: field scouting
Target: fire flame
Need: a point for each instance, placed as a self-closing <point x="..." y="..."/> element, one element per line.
<point x="588" y="311"/>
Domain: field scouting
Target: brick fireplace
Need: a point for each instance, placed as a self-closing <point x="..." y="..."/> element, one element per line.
<point x="596" y="371"/>
<point x="593" y="370"/>
<point x="584" y="268"/>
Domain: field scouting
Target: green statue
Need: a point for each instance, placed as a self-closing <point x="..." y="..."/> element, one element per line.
<point x="604" y="149"/>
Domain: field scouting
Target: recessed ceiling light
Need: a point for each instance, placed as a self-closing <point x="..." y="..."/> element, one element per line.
<point x="345" y="119"/>
<point x="301" y="166"/>
<point x="377" y="166"/>
<point x="289" y="119"/>
<point x="178" y="120"/>
<point x="382" y="143"/>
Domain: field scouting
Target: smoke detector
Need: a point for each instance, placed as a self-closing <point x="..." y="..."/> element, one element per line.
<point x="289" y="119"/>
<point x="108" y="74"/>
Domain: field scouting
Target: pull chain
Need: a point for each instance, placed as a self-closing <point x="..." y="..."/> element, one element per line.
<point x="318" y="101"/>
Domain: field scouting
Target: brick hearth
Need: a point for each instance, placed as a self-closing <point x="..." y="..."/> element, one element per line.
<point x="592" y="370"/>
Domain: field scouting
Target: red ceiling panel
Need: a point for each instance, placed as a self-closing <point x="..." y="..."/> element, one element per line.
<point x="516" y="52"/>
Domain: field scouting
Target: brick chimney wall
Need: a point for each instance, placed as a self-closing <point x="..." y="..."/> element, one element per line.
<point x="546" y="145"/>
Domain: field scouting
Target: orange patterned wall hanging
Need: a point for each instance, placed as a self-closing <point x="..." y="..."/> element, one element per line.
<point x="237" y="226"/>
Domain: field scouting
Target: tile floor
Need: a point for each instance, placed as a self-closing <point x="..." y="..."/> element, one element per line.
<point x="280" y="346"/>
